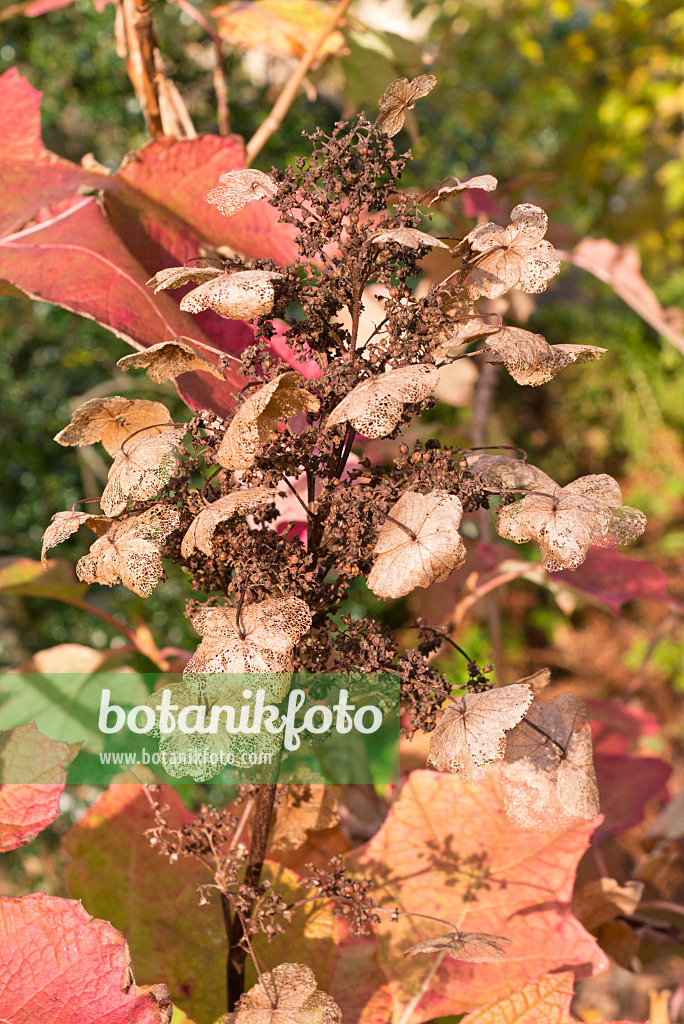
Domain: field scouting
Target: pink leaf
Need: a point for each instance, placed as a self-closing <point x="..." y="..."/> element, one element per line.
<point x="29" y="801"/>
<point x="43" y="6"/>
<point x="626" y="784"/>
<point x="615" y="579"/>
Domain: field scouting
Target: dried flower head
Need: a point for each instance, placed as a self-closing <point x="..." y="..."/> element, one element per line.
<point x="244" y="295"/>
<point x="375" y="406"/>
<point x="504" y="473"/>
<point x="530" y="359"/>
<point x="473" y="947"/>
<point x="130" y="551"/>
<point x="112" y="420"/>
<point x="398" y="97"/>
<point x="424" y="549"/>
<point x="201" y="532"/>
<point x="285" y="995"/>
<point x="140" y="469"/>
<point x="256" y="419"/>
<point x="486" y="182"/>
<point x="239" y="188"/>
<point x="411" y="238"/>
<point x="167" y="360"/>
<point x="63" y="524"/>
<point x="471" y="735"/>
<point x="517" y="256"/>
<point x="176" y="277"/>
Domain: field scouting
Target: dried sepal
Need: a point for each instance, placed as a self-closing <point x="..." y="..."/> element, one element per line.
<point x="262" y="641"/>
<point x="470" y="738"/>
<point x="303" y="809"/>
<point x="168" y="359"/>
<point x="65" y="523"/>
<point x="244" y="295"/>
<point x="256" y="419"/>
<point x="517" y="256"/>
<point x="140" y="469"/>
<point x="548" y="774"/>
<point x="486" y="182"/>
<point x="112" y="420"/>
<point x="530" y="359"/>
<point x="286" y="995"/>
<point x="200" y="534"/>
<point x="465" y="323"/>
<point x="503" y="473"/>
<point x="374" y="407"/>
<point x="398" y="97"/>
<point x="129" y="552"/>
<point x="176" y="277"/>
<point x="239" y="188"/>
<point x="427" y="554"/>
<point x="473" y="947"/>
<point x="410" y="238"/>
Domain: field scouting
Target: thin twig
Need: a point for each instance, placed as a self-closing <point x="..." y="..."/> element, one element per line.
<point x="220" y="85"/>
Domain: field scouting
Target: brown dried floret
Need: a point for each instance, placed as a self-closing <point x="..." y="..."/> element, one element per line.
<point x="411" y="238"/>
<point x="168" y="359"/>
<point x="112" y="420"/>
<point x="470" y="738"/>
<point x="140" y="469"/>
<point x="244" y="295"/>
<point x="285" y="995"/>
<point x="486" y="182"/>
<point x="65" y="523"/>
<point x="176" y="277"/>
<point x="239" y="188"/>
<point x="530" y="359"/>
<point x="426" y="548"/>
<point x="256" y="419"/>
<point x="374" y="407"/>
<point x="473" y="947"/>
<point x="517" y="256"/>
<point x="201" y="531"/>
<point x="130" y="551"/>
<point x="398" y="97"/>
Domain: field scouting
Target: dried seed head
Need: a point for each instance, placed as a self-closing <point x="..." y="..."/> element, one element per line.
<point x="200" y="535"/>
<point x="410" y="238"/>
<point x="239" y="188"/>
<point x="473" y="947"/>
<point x="167" y="360"/>
<point x="241" y="296"/>
<point x="176" y="277"/>
<point x="140" y="469"/>
<point x="530" y="359"/>
<point x="517" y="256"/>
<point x="374" y="407"/>
<point x="398" y="97"/>
<point x="65" y="523"/>
<point x="285" y="995"/>
<point x="112" y="420"/>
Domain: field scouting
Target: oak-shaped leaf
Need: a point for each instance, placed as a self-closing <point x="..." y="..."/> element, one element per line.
<point x="167" y="360"/>
<point x="63" y="524"/>
<point x="452" y="186"/>
<point x="302" y="809"/>
<point x="239" y="188"/>
<point x="517" y="256"/>
<point x="530" y="359"/>
<point x="141" y="467"/>
<point x="129" y="552"/>
<point x="285" y="995"/>
<point x="256" y="419"/>
<point x="201" y="530"/>
<point x="473" y="947"/>
<point x="112" y="420"/>
<point x="504" y="473"/>
<point x="424" y="549"/>
<point x="176" y="277"/>
<point x="261" y="641"/>
<point x="374" y="407"/>
<point x="470" y="737"/>
<point x="244" y="295"/>
<point x="398" y="97"/>
<point x="410" y="238"/>
<point x="548" y="773"/>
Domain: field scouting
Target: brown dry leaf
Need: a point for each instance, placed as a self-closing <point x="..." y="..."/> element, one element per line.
<point x="129" y="552"/>
<point x="548" y="772"/>
<point x="112" y="420"/>
<point x="486" y="182"/>
<point x="398" y="97"/>
<point x="538" y="681"/>
<point x="404" y="562"/>
<point x="470" y="737"/>
<point x="605" y="899"/>
<point x="466" y="323"/>
<point x="530" y="359"/>
<point x="308" y="808"/>
<point x="517" y="256"/>
<point x="256" y="419"/>
<point x="240" y="188"/>
<point x="270" y="631"/>
<point x="473" y="947"/>
<point x="201" y="531"/>
<point x="176" y="277"/>
<point x="505" y="473"/>
<point x="168" y="359"/>
<point x="63" y="524"/>
<point x="408" y="237"/>
<point x="374" y="407"/>
<point x="285" y="995"/>
<point x="241" y="296"/>
<point x="140" y="469"/>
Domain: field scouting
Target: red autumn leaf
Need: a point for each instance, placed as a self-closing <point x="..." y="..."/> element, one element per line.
<point x="626" y="784"/>
<point x="615" y="579"/>
<point x="618" y="728"/>
<point x="61" y="965"/>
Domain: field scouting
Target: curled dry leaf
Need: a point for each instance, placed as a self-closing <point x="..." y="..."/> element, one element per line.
<point x="605" y="899"/>
<point x="408" y="237"/>
<point x="256" y="419"/>
<point x="538" y="681"/>
<point x="176" y="277"/>
<point x="504" y="473"/>
<point x="486" y="182"/>
<point x="112" y="420"/>
<point x="473" y="947"/>
<point x="129" y="552"/>
<point x="374" y="407"/>
<point x="398" y="97"/>
<point x="517" y="256"/>
<point x="240" y="188"/>
<point x="548" y="773"/>
<point x="167" y="360"/>
<point x="470" y="737"/>
<point x="427" y="554"/>
<point x="140" y="469"/>
<point x="241" y="296"/>
<point x="306" y="808"/>
<point x="202" y="528"/>
<point x="63" y="524"/>
<point x="530" y="359"/>
<point x="286" y="995"/>
<point x="263" y="640"/>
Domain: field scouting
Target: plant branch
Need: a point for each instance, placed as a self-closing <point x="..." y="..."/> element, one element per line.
<point x="147" y="43"/>
<point x="220" y="84"/>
